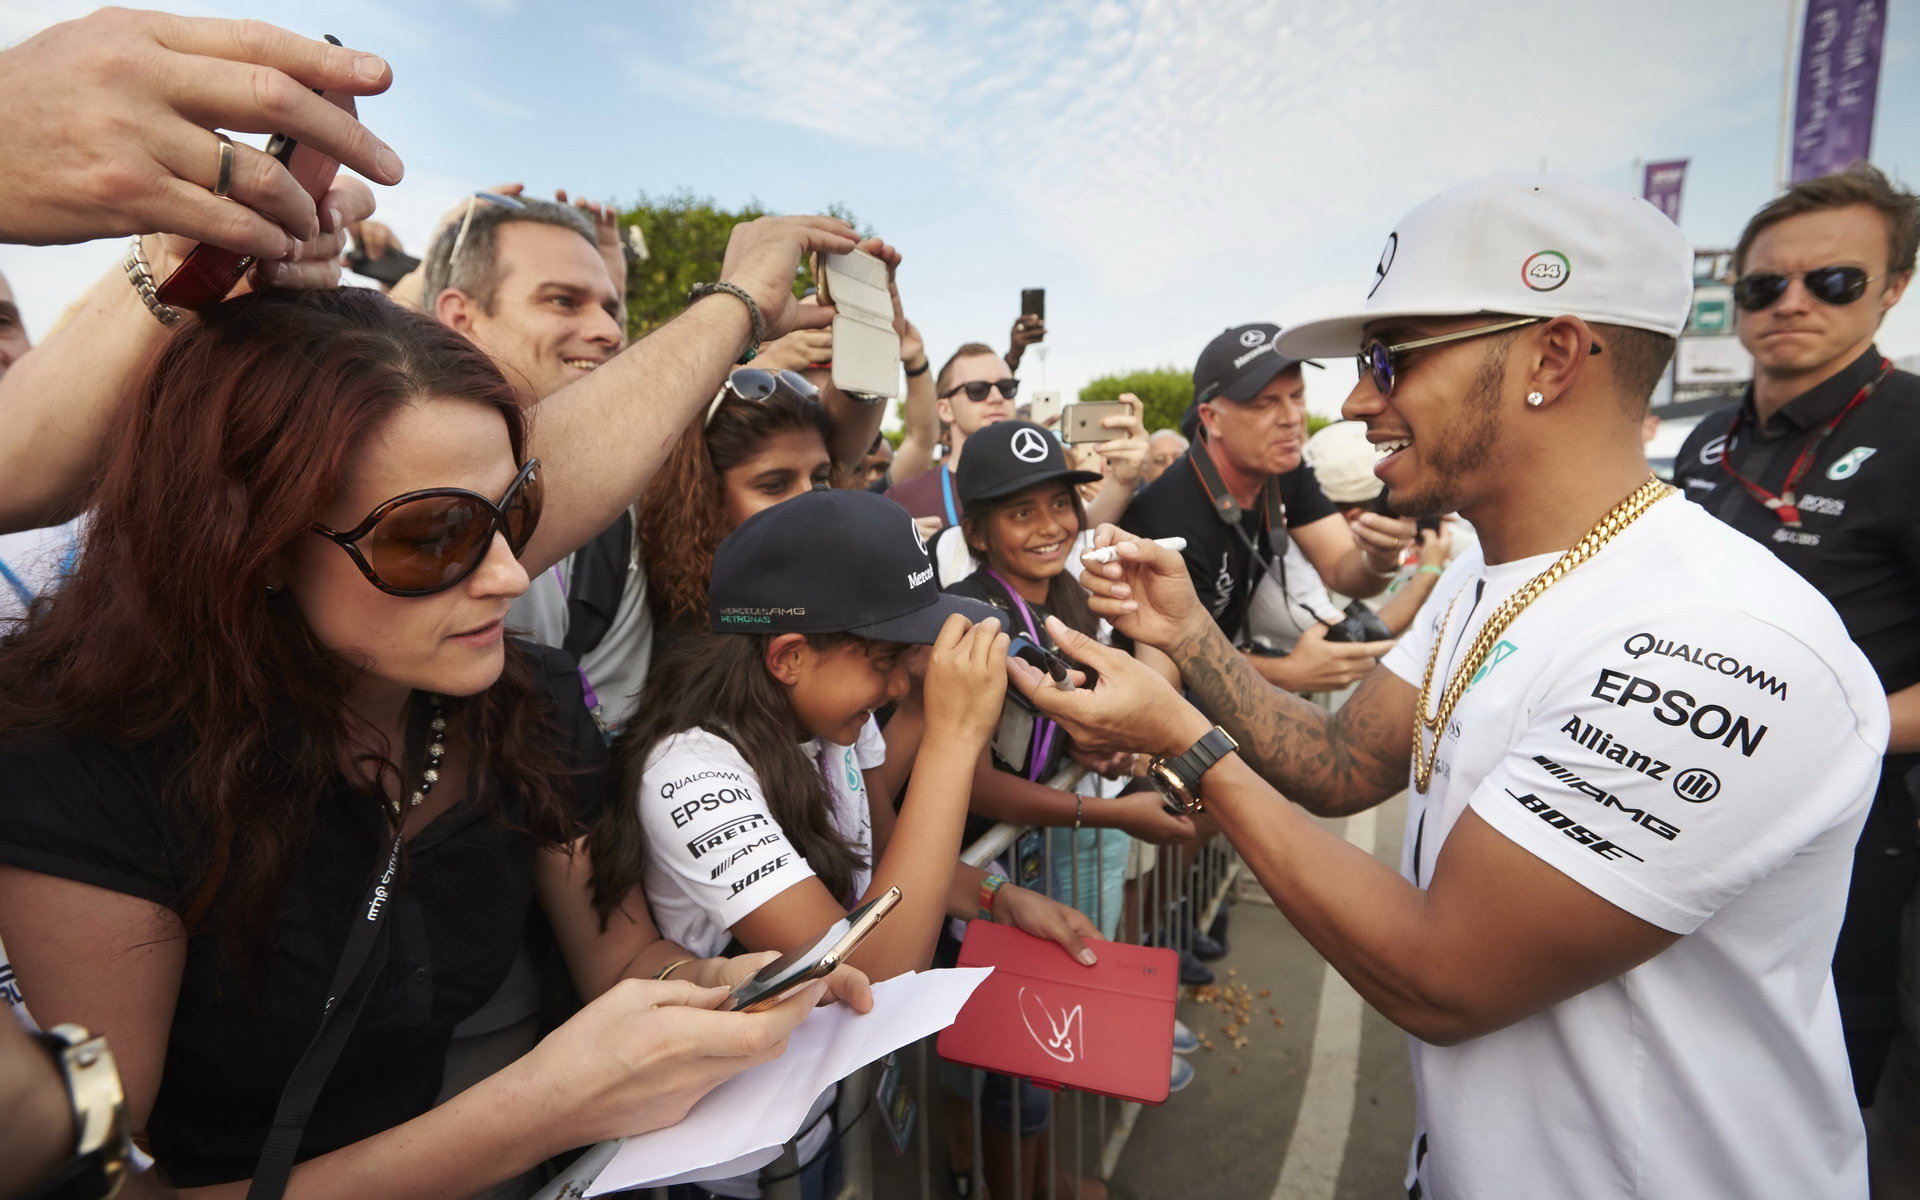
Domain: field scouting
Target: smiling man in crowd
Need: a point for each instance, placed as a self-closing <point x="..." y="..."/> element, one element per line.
<point x="526" y="281"/>
<point x="973" y="390"/>
<point x="1820" y="463"/>
<point x="1623" y="873"/>
<point x="1254" y="517"/>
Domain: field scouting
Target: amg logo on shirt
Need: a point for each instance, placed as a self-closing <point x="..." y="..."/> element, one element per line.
<point x="1572" y="828"/>
<point x="742" y="852"/>
<point x="1598" y="740"/>
<point x="719" y="835"/>
<point x="758" y="873"/>
<point x="1639" y="816"/>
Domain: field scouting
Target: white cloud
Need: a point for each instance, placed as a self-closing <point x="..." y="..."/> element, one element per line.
<point x="1252" y="154"/>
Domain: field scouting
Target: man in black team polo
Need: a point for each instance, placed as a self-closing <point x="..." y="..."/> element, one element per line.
<point x="1241" y="493"/>
<point x="1820" y="461"/>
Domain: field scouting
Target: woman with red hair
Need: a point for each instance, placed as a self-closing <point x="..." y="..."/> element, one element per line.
<point x="275" y="703"/>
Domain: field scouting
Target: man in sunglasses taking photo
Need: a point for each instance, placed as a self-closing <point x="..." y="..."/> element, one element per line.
<point x="1820" y="463"/>
<point x="972" y="391"/>
<point x="1624" y="867"/>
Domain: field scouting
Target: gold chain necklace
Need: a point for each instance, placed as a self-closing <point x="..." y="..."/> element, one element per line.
<point x="1622" y="515"/>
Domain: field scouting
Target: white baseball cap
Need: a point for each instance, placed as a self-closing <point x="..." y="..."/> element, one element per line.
<point x="1529" y="245"/>
<point x="1342" y="460"/>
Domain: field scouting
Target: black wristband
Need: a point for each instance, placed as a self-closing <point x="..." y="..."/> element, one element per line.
<point x="924" y="367"/>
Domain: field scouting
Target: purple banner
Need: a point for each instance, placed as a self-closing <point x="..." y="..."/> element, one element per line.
<point x="1661" y="186"/>
<point x="1839" y="78"/>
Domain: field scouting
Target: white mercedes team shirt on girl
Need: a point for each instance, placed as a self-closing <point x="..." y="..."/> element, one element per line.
<point x="715" y="852"/>
<point x="1682" y="727"/>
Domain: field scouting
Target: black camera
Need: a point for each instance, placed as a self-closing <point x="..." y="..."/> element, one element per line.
<point x="1360" y="624"/>
<point x="1381" y="505"/>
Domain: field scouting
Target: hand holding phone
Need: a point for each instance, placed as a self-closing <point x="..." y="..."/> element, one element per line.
<point x="1086" y="422"/>
<point x="209" y="273"/>
<point x="866" y="347"/>
<point x="815" y="960"/>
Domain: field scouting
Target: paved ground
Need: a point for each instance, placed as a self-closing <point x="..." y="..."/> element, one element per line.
<point x="1320" y="1108"/>
<point x="1316" y="1105"/>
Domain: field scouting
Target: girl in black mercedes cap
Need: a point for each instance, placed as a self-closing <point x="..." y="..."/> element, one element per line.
<point x="761" y="789"/>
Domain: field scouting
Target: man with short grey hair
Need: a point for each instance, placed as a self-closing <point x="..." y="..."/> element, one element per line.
<point x="1164" y="448"/>
<point x="525" y="280"/>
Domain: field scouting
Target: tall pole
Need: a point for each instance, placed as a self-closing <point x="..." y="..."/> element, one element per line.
<point x="1780" y="159"/>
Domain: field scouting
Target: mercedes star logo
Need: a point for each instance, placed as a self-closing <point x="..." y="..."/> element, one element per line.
<point x="1030" y="445"/>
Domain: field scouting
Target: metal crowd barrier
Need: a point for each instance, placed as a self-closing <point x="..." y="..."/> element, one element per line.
<point x="1175" y="891"/>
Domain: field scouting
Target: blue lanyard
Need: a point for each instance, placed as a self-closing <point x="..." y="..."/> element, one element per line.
<point x="946" y="494"/>
<point x="19" y="586"/>
<point x="20" y="589"/>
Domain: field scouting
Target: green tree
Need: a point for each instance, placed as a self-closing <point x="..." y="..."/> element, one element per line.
<point x="1165" y="393"/>
<point x="686" y="238"/>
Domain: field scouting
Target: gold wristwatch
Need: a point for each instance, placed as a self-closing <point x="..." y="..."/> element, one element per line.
<point x="1177" y="778"/>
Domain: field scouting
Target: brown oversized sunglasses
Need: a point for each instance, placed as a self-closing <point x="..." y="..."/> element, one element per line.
<point x="423" y="542"/>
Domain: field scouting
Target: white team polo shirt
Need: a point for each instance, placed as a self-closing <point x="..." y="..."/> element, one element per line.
<point x="1682" y="726"/>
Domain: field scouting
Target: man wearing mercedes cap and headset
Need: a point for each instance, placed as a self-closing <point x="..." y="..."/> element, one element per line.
<point x="1623" y="872"/>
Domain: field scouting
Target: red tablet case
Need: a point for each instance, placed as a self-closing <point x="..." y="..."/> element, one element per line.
<point x="1107" y="1028"/>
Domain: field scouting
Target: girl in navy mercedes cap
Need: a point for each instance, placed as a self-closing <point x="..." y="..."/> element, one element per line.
<point x="761" y="788"/>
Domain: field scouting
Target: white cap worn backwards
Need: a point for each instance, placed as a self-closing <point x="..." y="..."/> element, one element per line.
<point x="1529" y="245"/>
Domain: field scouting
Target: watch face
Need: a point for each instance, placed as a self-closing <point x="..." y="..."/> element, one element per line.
<point x="1179" y="801"/>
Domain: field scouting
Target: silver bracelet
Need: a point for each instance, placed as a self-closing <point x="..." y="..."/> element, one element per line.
<point x="140" y="275"/>
<point x="702" y="290"/>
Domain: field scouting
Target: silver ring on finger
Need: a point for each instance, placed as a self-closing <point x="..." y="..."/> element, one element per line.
<point x="223" y="178"/>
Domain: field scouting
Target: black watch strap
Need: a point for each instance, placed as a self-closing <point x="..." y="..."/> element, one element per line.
<point x="1213" y="746"/>
<point x="1178" y="778"/>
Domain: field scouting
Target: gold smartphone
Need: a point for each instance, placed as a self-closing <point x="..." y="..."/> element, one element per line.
<point x="1083" y="421"/>
<point x="774" y="982"/>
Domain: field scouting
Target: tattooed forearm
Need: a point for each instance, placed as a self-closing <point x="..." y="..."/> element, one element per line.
<point x="1331" y="764"/>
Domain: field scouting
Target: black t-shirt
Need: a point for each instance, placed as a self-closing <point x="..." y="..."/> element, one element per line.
<point x="1176" y="505"/>
<point x="983" y="587"/>
<point x="80" y="808"/>
<point x="1859" y="537"/>
<point x="1859" y="540"/>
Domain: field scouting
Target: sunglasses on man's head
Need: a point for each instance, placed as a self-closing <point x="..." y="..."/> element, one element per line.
<point x="753" y="385"/>
<point x="1829" y="285"/>
<point x="424" y="542"/>
<point x="466" y="221"/>
<point x="977" y="390"/>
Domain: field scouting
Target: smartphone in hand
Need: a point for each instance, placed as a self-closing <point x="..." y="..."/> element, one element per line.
<point x="1084" y="422"/>
<point x="866" y="349"/>
<point x="1033" y="302"/>
<point x="815" y="960"/>
<point x="209" y="273"/>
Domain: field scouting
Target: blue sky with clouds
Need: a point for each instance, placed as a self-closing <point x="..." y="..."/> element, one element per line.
<point x="1164" y="168"/>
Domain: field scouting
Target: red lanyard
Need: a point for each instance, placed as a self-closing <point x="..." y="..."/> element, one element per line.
<point x="1786" y="505"/>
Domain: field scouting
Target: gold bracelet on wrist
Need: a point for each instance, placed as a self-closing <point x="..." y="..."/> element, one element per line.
<point x="671" y="967"/>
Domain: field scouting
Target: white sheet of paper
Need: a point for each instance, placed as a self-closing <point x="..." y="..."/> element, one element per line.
<point x="761" y="1108"/>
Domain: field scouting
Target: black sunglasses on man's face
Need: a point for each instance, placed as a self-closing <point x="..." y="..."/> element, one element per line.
<point x="977" y="390"/>
<point x="1838" y="286"/>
